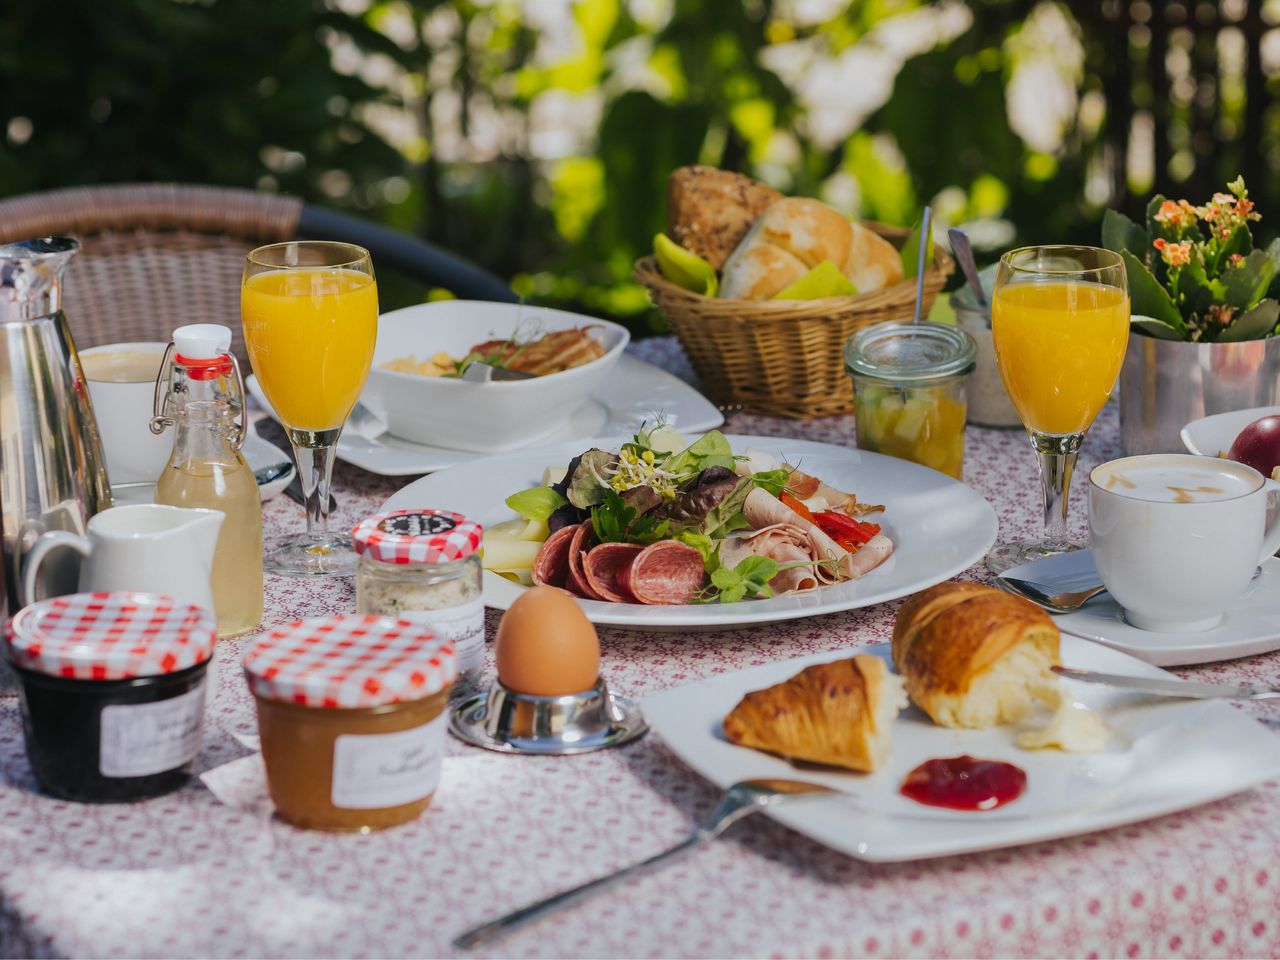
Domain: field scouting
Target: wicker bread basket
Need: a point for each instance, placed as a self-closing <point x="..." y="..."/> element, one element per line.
<point x="784" y="358"/>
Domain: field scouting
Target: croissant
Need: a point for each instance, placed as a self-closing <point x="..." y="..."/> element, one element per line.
<point x="973" y="656"/>
<point x="834" y="713"/>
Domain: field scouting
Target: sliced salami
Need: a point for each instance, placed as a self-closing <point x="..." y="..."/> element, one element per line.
<point x="579" y="544"/>
<point x="666" y="572"/>
<point x="606" y="566"/>
<point x="551" y="565"/>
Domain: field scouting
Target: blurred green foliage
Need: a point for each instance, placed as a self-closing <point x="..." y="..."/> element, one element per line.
<point x="432" y="116"/>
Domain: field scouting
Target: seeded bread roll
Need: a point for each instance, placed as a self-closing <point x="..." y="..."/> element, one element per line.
<point x="709" y="211"/>
<point x="973" y="656"/>
<point x="793" y="236"/>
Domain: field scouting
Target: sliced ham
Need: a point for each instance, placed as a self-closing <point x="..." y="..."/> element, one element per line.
<point x="872" y="553"/>
<point x="782" y="542"/>
<point x="763" y="510"/>
<point x="551" y="565"/>
<point x="605" y="567"/>
<point x="666" y="572"/>
<point x="576" y="579"/>
<point x="816" y="494"/>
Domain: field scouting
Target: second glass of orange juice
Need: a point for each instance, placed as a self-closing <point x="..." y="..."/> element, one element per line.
<point x="1060" y="324"/>
<point x="310" y="314"/>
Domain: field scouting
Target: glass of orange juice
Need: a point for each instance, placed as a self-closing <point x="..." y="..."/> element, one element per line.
<point x="310" y="314"/>
<point x="1060" y="324"/>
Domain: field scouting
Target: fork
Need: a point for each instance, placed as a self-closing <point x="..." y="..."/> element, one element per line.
<point x="740" y="800"/>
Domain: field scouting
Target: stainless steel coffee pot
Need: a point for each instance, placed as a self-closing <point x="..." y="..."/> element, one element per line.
<point x="52" y="472"/>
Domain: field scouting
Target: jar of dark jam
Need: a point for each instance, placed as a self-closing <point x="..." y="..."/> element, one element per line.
<point x="352" y="715"/>
<point x="112" y="688"/>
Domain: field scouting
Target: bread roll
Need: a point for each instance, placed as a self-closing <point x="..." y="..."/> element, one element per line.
<point x="973" y="656"/>
<point x="709" y="211"/>
<point x="796" y="234"/>
<point x="835" y="713"/>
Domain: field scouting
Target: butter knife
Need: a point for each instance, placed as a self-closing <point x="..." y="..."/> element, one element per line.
<point x="1171" y="688"/>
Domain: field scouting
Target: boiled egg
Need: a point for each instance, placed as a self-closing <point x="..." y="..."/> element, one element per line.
<point x="546" y="646"/>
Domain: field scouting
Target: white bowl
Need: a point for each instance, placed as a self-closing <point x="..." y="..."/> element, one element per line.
<point x="1214" y="435"/>
<point x="482" y="417"/>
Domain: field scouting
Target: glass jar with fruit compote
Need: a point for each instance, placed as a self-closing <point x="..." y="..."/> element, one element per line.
<point x="909" y="391"/>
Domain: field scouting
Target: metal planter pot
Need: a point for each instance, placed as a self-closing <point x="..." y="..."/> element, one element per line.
<point x="1165" y="384"/>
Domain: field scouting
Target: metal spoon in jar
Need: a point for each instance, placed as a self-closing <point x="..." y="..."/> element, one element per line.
<point x="739" y="800"/>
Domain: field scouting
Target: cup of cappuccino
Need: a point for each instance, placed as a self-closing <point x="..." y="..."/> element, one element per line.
<point x="122" y="383"/>
<point x="1176" y="538"/>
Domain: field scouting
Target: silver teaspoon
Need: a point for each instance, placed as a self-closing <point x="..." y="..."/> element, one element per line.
<point x="740" y="800"/>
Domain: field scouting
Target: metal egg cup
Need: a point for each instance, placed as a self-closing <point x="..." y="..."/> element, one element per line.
<point x="511" y="722"/>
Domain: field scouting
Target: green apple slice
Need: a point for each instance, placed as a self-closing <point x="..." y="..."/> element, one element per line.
<point x="683" y="267"/>
<point x="824" y="280"/>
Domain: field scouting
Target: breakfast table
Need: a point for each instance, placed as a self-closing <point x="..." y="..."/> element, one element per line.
<point x="206" y="871"/>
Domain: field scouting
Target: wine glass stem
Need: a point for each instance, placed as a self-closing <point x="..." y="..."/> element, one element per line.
<point x="1057" y="462"/>
<point x="313" y="450"/>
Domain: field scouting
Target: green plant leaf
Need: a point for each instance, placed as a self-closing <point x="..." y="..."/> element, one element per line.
<point x="1258" y="324"/>
<point x="1120" y="233"/>
<point x="1154" y="328"/>
<point x="1148" y="298"/>
<point x="1247" y="284"/>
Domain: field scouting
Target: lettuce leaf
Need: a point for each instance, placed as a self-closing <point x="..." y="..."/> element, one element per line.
<point x="536" y="503"/>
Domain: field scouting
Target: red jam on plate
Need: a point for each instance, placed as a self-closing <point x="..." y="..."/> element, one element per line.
<point x="965" y="783"/>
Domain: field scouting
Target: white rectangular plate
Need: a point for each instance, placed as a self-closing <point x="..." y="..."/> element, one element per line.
<point x="1165" y="755"/>
<point x="635" y="392"/>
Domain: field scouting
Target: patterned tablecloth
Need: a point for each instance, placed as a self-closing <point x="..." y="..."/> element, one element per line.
<point x="207" y="872"/>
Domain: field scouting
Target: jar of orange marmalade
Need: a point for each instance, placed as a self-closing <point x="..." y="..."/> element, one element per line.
<point x="351" y="712"/>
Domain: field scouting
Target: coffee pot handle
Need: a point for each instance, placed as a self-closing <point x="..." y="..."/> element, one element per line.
<point x="48" y="542"/>
<point x="1271" y="539"/>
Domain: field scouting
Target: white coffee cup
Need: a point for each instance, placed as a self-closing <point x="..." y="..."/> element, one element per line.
<point x="122" y="407"/>
<point x="1176" y="538"/>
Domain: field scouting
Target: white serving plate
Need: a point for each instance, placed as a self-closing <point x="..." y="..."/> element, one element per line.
<point x="481" y="417"/>
<point x="636" y="392"/>
<point x="258" y="453"/>
<point x="940" y="527"/>
<point x="1165" y="755"/>
<point x="1211" y="436"/>
<point x="1252" y="624"/>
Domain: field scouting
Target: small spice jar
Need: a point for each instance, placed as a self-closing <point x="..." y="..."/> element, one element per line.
<point x="909" y="391"/>
<point x="351" y="714"/>
<point x="423" y="566"/>
<point x="113" y="690"/>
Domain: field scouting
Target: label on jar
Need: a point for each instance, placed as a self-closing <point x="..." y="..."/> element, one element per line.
<point x="372" y="771"/>
<point x="463" y="625"/>
<point x="141" y="739"/>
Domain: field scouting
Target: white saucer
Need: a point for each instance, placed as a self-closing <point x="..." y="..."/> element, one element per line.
<point x="1213" y="436"/>
<point x="258" y="453"/>
<point x="1251" y="627"/>
<point x="636" y="391"/>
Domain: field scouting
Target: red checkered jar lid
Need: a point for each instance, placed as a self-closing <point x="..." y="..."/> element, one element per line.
<point x="350" y="661"/>
<point x="110" y="636"/>
<point x="417" y="536"/>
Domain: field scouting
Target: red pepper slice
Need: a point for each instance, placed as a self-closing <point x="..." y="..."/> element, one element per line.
<point x="797" y="506"/>
<point x="842" y="528"/>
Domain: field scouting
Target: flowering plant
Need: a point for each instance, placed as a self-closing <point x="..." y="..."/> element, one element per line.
<point x="1194" y="273"/>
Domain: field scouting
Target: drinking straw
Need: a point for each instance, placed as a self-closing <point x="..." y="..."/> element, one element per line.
<point x="926" y="237"/>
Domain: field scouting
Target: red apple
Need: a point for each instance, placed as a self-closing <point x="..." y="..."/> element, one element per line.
<point x="1258" y="445"/>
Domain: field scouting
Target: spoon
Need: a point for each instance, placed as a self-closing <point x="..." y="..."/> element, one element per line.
<point x="926" y="238"/>
<point x="963" y="250"/>
<point x="477" y="371"/>
<point x="1057" y="601"/>
<point x="739" y="800"/>
<point x="275" y="471"/>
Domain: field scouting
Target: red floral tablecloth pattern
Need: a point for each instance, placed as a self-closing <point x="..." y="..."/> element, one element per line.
<point x="195" y="875"/>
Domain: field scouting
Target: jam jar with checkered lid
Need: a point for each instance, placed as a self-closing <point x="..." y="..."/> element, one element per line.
<point x="113" y="691"/>
<point x="424" y="566"/>
<point x="351" y="714"/>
